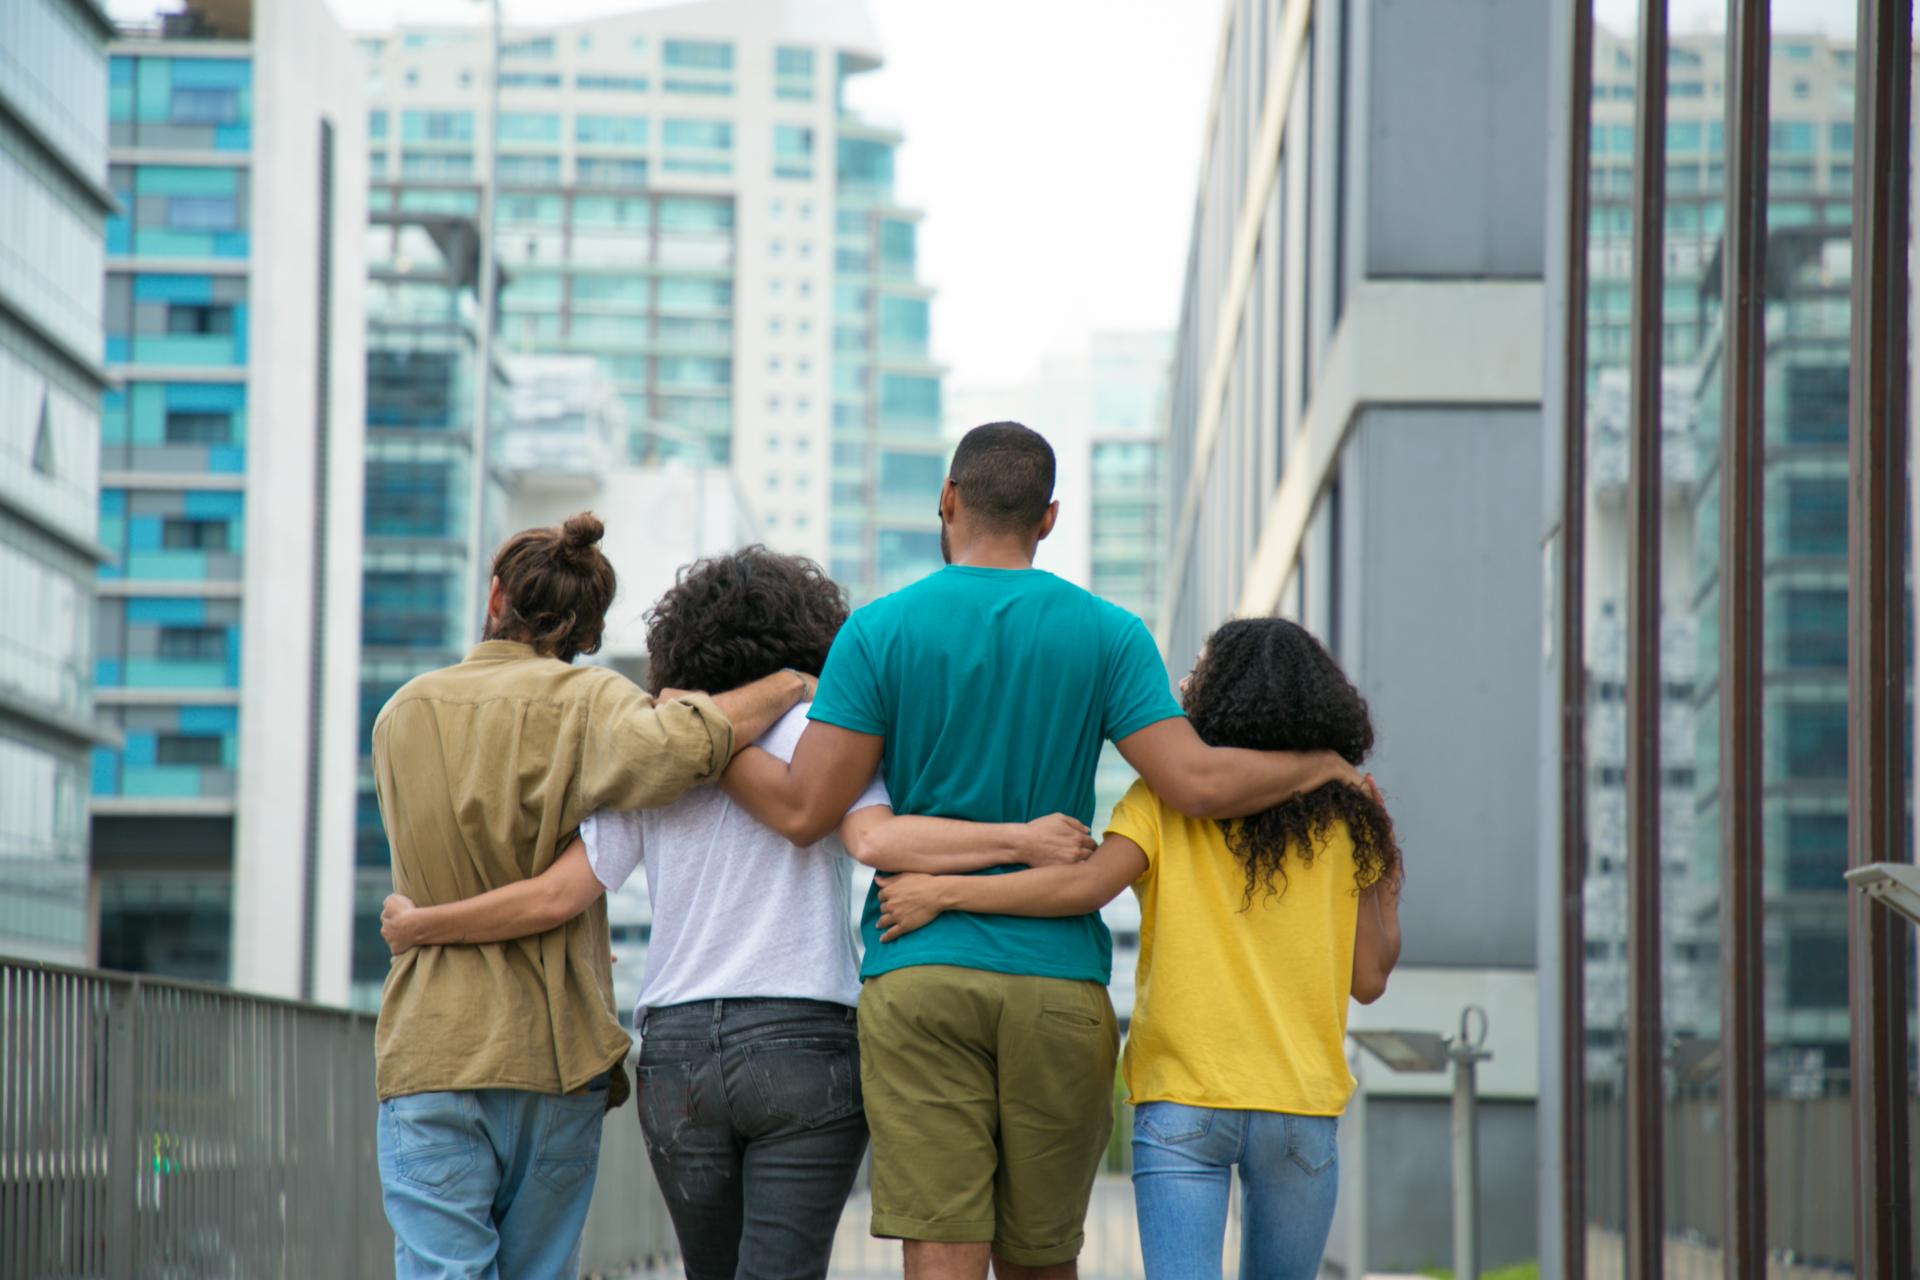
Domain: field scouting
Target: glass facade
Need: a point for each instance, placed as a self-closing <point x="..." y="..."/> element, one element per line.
<point x="887" y="453"/>
<point x="53" y="140"/>
<point x="421" y="365"/>
<point x="1715" y="839"/>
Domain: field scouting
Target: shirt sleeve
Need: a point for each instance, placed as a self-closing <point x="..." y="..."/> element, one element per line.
<point x="615" y="844"/>
<point x="641" y="755"/>
<point x="1138" y="691"/>
<point x="849" y="692"/>
<point x="1137" y="818"/>
<point x="875" y="794"/>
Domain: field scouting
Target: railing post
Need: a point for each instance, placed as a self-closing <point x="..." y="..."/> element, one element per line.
<point x="122" y="1168"/>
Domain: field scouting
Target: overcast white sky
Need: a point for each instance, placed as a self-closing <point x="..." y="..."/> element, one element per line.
<point x="1054" y="144"/>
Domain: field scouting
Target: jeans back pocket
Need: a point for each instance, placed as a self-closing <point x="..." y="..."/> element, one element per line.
<point x="806" y="1083"/>
<point x="432" y="1136"/>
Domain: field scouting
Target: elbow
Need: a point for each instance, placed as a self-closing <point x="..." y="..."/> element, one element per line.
<point x="863" y="846"/>
<point x="1198" y="793"/>
<point x="552" y="910"/>
<point x="1369" y="987"/>
<point x="802" y="827"/>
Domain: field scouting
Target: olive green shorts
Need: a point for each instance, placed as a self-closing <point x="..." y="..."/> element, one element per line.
<point x="990" y="1100"/>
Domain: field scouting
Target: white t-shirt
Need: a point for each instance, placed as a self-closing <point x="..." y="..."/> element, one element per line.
<point x="738" y="910"/>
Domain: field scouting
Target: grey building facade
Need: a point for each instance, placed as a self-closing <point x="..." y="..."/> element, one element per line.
<point x="1355" y="444"/>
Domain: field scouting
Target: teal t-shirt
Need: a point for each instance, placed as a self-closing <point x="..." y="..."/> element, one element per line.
<point x="994" y="689"/>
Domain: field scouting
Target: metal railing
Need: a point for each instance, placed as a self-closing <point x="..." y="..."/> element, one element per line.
<point x="169" y="1129"/>
<point x="166" y="1129"/>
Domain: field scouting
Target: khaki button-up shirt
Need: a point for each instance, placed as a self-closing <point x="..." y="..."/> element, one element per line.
<point x="484" y="771"/>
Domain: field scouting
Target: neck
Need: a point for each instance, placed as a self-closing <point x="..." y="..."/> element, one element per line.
<point x="994" y="553"/>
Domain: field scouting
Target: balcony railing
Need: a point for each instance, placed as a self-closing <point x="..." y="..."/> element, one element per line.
<point x="156" y="1128"/>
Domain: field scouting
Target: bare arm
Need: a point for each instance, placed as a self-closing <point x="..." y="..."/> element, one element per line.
<point x="806" y="799"/>
<point x="886" y="841"/>
<point x="525" y="907"/>
<point x="752" y="709"/>
<point x="1376" y="939"/>
<point x="1225" y="782"/>
<point x="909" y="902"/>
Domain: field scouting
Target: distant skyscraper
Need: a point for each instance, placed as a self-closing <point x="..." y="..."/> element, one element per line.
<point x="686" y="196"/>
<point x="231" y="499"/>
<point x="53" y="204"/>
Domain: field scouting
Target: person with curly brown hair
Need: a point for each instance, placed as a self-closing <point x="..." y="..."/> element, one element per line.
<point x="749" y="1069"/>
<point x="497" y="1061"/>
<point x="1254" y="934"/>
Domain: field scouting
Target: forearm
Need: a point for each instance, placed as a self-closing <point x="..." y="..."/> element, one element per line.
<point x="515" y="911"/>
<point x="1043" y="891"/>
<point x="1238" y="782"/>
<point x="938" y="846"/>
<point x="752" y="709"/>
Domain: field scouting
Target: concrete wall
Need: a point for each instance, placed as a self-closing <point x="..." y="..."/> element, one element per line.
<point x="305" y="71"/>
<point x="1455" y="137"/>
<point x="1448" y="533"/>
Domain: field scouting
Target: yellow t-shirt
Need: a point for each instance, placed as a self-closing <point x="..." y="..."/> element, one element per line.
<point x="1239" y="1010"/>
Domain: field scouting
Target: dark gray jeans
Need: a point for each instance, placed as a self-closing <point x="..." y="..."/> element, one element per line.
<point x="751" y="1111"/>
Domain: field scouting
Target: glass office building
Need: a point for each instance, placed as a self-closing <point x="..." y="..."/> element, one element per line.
<point x="1729" y="371"/>
<point x="53" y="151"/>
<point x="686" y="195"/>
<point x="422" y="357"/>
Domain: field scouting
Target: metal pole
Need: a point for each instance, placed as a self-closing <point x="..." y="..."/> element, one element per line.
<point x="1355" y="1168"/>
<point x="478" y="575"/>
<point x="1466" y="1169"/>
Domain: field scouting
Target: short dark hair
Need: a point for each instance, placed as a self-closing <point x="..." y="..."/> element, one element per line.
<point x="729" y="620"/>
<point x="556" y="587"/>
<point x="1004" y="472"/>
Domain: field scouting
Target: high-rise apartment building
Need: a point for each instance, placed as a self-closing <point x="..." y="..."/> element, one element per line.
<point x="230" y="502"/>
<point x="1356" y="445"/>
<point x="53" y="206"/>
<point x="685" y="194"/>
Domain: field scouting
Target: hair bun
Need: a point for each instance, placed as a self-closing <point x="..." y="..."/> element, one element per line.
<point x="581" y="532"/>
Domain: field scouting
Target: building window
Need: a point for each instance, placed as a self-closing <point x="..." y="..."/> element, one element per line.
<point x="705" y="135"/>
<point x="189" y="749"/>
<point x="182" y="534"/>
<point x="698" y="55"/>
<point x="193" y="644"/>
<point x="195" y="318"/>
<point x="611" y="84"/>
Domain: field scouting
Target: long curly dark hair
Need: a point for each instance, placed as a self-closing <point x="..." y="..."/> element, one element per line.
<point x="731" y="619"/>
<point x="1267" y="684"/>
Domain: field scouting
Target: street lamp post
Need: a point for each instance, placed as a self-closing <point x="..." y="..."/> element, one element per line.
<point x="477" y="572"/>
<point x="1429" y="1051"/>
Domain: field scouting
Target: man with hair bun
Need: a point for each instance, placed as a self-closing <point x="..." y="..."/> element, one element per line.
<point x="496" y="1062"/>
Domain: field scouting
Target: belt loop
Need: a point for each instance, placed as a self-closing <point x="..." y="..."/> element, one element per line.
<point x="719" y="1009"/>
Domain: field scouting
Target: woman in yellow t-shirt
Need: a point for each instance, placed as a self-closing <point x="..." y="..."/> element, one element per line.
<point x="1254" y="934"/>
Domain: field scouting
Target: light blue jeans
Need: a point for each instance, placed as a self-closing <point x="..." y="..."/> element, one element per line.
<point x="489" y="1183"/>
<point x="1183" y="1158"/>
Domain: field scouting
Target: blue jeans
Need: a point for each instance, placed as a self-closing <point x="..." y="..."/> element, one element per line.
<point x="751" y="1112"/>
<point x="489" y="1183"/>
<point x="1183" y="1158"/>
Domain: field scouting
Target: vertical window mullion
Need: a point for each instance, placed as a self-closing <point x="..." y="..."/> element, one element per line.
<point x="1646" y="1169"/>
<point x="1742" y="577"/>
<point x="1877" y="656"/>
<point x="1573" y="659"/>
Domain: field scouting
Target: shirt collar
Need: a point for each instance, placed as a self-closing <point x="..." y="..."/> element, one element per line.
<point x="500" y="651"/>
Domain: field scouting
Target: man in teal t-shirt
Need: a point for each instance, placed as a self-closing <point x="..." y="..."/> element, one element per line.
<point x="987" y="689"/>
